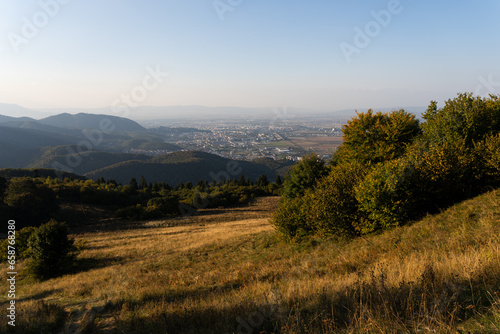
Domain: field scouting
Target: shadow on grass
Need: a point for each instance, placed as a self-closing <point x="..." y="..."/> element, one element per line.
<point x="109" y="225"/>
<point x="180" y="296"/>
<point x="34" y="317"/>
<point x="80" y="265"/>
<point x="38" y="296"/>
<point x="431" y="303"/>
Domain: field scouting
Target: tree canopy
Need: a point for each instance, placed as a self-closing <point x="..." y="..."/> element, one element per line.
<point x="375" y="137"/>
<point x="304" y="175"/>
<point x="391" y="170"/>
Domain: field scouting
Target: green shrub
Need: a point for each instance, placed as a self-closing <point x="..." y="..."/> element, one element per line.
<point x="22" y="247"/>
<point x="52" y="251"/>
<point x="167" y="205"/>
<point x="291" y="218"/>
<point x="131" y="212"/>
<point x="388" y="172"/>
<point x="489" y="150"/>
<point x="334" y="208"/>
<point x="426" y="179"/>
<point x="387" y="195"/>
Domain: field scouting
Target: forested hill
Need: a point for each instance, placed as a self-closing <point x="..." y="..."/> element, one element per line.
<point x="30" y="143"/>
<point x="90" y="121"/>
<point x="59" y="156"/>
<point x="188" y="166"/>
<point x="9" y="173"/>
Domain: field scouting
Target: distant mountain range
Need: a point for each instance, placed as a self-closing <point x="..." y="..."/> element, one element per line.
<point x="234" y="113"/>
<point x="143" y="113"/>
<point x="14" y="110"/>
<point x="82" y="144"/>
<point x="28" y="142"/>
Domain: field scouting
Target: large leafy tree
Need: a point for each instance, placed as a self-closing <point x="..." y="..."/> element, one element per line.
<point x="466" y="117"/>
<point x="372" y="137"/>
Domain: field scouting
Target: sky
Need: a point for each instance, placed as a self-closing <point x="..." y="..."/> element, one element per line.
<point x="326" y="55"/>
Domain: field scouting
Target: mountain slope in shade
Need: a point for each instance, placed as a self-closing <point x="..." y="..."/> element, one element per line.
<point x="67" y="158"/>
<point x="6" y="119"/>
<point x="27" y="123"/>
<point x="32" y="138"/>
<point x="9" y="173"/>
<point x="20" y="146"/>
<point x="281" y="167"/>
<point x="14" y="156"/>
<point x="179" y="167"/>
<point x="91" y="121"/>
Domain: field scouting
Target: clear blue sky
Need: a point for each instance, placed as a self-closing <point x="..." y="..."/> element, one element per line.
<point x="263" y="54"/>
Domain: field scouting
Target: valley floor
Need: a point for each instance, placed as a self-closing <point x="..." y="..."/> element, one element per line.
<point x="225" y="271"/>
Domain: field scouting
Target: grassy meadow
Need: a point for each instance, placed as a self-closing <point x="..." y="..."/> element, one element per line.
<point x="225" y="271"/>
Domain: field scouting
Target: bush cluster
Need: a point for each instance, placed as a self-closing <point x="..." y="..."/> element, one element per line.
<point x="48" y="248"/>
<point x="391" y="169"/>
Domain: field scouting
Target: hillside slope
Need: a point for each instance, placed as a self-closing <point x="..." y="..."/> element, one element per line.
<point x="60" y="155"/>
<point x="187" y="166"/>
<point x="223" y="271"/>
<point x="18" y="147"/>
<point x="9" y="173"/>
<point x="91" y="121"/>
<point x="6" y="119"/>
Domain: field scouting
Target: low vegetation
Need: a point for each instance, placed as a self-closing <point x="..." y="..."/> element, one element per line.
<point x="225" y="271"/>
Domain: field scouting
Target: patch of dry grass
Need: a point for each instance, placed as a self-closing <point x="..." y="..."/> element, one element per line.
<point x="224" y="271"/>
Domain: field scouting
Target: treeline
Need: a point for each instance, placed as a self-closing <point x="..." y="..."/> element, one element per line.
<point x="32" y="201"/>
<point x="392" y="169"/>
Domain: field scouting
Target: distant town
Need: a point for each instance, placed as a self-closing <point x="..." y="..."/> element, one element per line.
<point x="249" y="140"/>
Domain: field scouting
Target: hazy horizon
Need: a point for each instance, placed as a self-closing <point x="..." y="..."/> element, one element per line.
<point x="149" y="113"/>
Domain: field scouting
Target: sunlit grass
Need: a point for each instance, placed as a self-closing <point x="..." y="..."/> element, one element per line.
<point x="225" y="271"/>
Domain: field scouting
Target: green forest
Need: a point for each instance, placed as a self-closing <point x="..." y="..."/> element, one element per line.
<point x="34" y="199"/>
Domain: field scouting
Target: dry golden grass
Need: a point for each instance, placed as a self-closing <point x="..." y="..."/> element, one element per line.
<point x="224" y="271"/>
